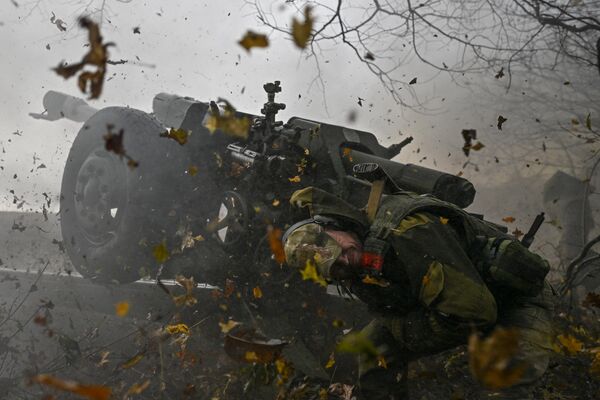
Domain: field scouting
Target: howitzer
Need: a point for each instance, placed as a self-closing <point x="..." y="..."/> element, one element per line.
<point x="217" y="195"/>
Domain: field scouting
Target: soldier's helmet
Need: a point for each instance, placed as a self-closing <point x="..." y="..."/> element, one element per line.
<point x="307" y="242"/>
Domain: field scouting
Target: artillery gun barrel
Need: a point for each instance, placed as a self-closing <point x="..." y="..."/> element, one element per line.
<point x="59" y="105"/>
<point x="415" y="178"/>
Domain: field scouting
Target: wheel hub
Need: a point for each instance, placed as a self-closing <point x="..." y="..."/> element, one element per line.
<point x="100" y="194"/>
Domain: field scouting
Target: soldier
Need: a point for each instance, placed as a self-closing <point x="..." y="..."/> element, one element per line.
<point x="439" y="273"/>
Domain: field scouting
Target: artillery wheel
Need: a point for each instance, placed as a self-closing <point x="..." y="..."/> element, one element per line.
<point x="112" y="214"/>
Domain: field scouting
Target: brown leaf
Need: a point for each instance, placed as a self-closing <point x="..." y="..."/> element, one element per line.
<point x="274" y="236"/>
<point x="257" y="292"/>
<point x="492" y="360"/>
<point x="477" y="146"/>
<point x="301" y="31"/>
<point x="189" y="285"/>
<point x="501" y="120"/>
<point x="178" y="135"/>
<point x="96" y="57"/>
<point x="227" y="122"/>
<point x="500" y="73"/>
<point x="592" y="300"/>
<point x="468" y="135"/>
<point x="93" y="392"/>
<point x="508" y="220"/>
<point x="113" y="142"/>
<point x="517" y="233"/>
<point x="570" y="343"/>
<point x="252" y="39"/>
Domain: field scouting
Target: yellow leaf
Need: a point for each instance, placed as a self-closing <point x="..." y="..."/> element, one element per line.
<point x="178" y="328"/>
<point x="257" y="292"/>
<point x="122" y="308"/>
<point x="178" y="135"/>
<point x="252" y="39"/>
<point x="570" y="343"/>
<point x="357" y="343"/>
<point x="138" y="388"/>
<point x="492" y="360"/>
<point x="310" y="273"/>
<point x="295" y="179"/>
<point x="160" y="253"/>
<point x="444" y="221"/>
<point x="595" y="367"/>
<point x="251" y="356"/>
<point x="227" y="122"/>
<point x="301" y="31"/>
<point x="228" y="326"/>
<point x="369" y="280"/>
<point x="192" y="170"/>
<point x="381" y="362"/>
<point x="132" y="361"/>
<point x="330" y="362"/>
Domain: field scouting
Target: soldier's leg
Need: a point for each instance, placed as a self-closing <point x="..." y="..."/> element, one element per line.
<point x="376" y="380"/>
<point x="533" y="317"/>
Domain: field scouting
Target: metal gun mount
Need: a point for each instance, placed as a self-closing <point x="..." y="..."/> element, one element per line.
<point x="237" y="188"/>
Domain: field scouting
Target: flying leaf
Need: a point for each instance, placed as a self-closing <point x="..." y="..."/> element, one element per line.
<point x="251" y="357"/>
<point x="178" y="135"/>
<point x="381" y="362"/>
<point x="301" y="31"/>
<point x="570" y="344"/>
<point x="93" y="392"/>
<point x="274" y="236"/>
<point x="310" y="273"/>
<point x="500" y="73"/>
<point x="160" y="253"/>
<point x="122" y="308"/>
<point x="96" y="57"/>
<point x="477" y="146"/>
<point x="444" y="221"/>
<point x="357" y="343"/>
<point x="330" y="361"/>
<point x="413" y="81"/>
<point x="592" y="300"/>
<point x="60" y="24"/>
<point x="468" y="135"/>
<point x="257" y="292"/>
<point x="228" y="326"/>
<point x="508" y="220"/>
<point x="132" y="361"/>
<point x="192" y="170"/>
<point x="295" y="179"/>
<point x="369" y="280"/>
<point x="492" y="360"/>
<point x="178" y="329"/>
<point x="252" y="39"/>
<point x="501" y="120"/>
<point x="588" y="121"/>
<point x="189" y="285"/>
<point x="369" y="56"/>
<point x="113" y="142"/>
<point x="227" y="122"/>
<point x="138" y="388"/>
<point x="517" y="233"/>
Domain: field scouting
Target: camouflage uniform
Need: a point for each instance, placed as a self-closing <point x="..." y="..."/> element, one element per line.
<point x="436" y="292"/>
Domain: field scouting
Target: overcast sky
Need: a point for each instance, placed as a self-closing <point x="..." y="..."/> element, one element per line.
<point x="190" y="48"/>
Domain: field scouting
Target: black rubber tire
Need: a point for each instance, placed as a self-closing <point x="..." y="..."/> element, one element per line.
<point x="151" y="200"/>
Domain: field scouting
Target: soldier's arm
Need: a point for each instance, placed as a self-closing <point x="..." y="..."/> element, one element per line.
<point x="453" y="299"/>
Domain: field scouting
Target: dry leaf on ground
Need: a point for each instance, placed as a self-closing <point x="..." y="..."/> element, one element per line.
<point x="93" y="392"/>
